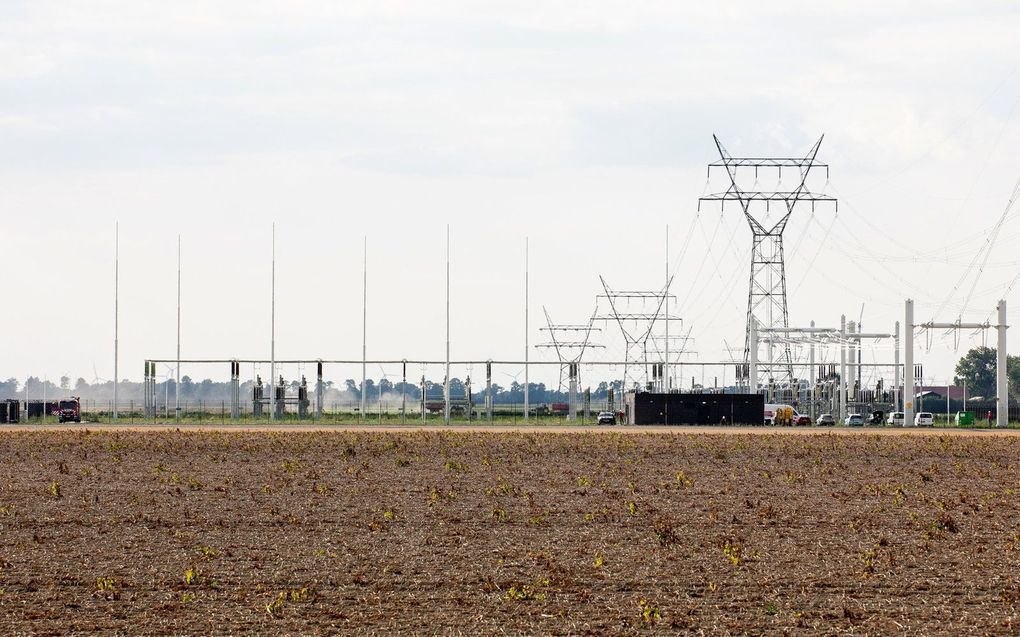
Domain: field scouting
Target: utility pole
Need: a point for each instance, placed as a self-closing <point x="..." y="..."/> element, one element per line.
<point x="272" y="332"/>
<point x="446" y="381"/>
<point x="527" y="325"/>
<point x="364" y="331"/>
<point x="177" y="382"/>
<point x="666" y="300"/>
<point x="116" y="319"/>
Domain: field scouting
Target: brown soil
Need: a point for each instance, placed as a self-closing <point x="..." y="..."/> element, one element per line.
<point x="461" y="532"/>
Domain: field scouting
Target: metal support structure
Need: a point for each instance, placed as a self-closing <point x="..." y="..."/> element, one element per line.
<point x="752" y="374"/>
<point x="1001" y="379"/>
<point x="897" y="390"/>
<point x="811" y="402"/>
<point x="569" y="352"/>
<point x="842" y="367"/>
<point x="403" y="392"/>
<point x="908" y="362"/>
<point x="446" y="379"/>
<point x="488" y="390"/>
<point x="766" y="301"/>
<point x="272" y="340"/>
<point x="177" y="382"/>
<point x="527" y="322"/>
<point x="235" y="390"/>
<point x="116" y="322"/>
<point x="320" y="390"/>
<point x="1001" y="386"/>
<point x="364" y="331"/>
<point x="638" y="328"/>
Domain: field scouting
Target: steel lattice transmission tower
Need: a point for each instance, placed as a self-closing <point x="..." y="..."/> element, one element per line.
<point x="766" y="295"/>
<point x="637" y="326"/>
<point x="569" y="342"/>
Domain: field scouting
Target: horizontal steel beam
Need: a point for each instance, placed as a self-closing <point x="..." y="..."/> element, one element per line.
<point x="802" y="195"/>
<point x="630" y="363"/>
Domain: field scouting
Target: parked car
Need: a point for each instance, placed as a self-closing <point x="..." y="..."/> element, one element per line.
<point x="895" y="418"/>
<point x="803" y="420"/>
<point x="854" y="420"/>
<point x="924" y="419"/>
<point x="826" y="420"/>
<point x="607" y="418"/>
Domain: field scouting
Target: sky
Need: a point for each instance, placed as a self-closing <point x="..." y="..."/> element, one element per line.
<point x="583" y="128"/>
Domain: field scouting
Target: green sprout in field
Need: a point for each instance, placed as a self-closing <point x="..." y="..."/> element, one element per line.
<point x="734" y="552"/>
<point x="303" y="595"/>
<point x="525" y="592"/>
<point x="648" y="612"/>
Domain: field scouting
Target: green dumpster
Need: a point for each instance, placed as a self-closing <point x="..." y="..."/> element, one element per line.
<point x="964" y="418"/>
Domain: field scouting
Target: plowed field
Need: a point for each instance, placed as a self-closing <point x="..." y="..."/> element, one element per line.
<point x="507" y="533"/>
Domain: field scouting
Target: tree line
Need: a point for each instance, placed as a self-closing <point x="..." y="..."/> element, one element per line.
<point x="349" y="391"/>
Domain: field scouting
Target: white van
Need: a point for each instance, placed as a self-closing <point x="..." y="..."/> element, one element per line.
<point x="780" y="414"/>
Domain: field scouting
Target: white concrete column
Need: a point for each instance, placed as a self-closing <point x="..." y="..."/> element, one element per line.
<point x="752" y="350"/>
<point x="1001" y="386"/>
<point x="811" y="388"/>
<point x="842" y="368"/>
<point x="908" y="363"/>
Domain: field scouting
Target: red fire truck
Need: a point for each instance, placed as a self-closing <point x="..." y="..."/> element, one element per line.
<point x="70" y="410"/>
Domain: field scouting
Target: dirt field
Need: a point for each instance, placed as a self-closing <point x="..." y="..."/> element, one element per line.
<point x="460" y="532"/>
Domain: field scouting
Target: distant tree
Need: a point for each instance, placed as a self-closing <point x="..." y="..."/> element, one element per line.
<point x="977" y="369"/>
<point x="457" y="389"/>
<point x="81" y="385"/>
<point x="9" y="388"/>
<point x="65" y="383"/>
<point x="1013" y="376"/>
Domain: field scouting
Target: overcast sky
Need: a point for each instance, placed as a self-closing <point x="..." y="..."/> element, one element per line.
<point x="585" y="126"/>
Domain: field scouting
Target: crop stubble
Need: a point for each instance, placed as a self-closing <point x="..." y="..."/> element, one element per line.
<point x="482" y="533"/>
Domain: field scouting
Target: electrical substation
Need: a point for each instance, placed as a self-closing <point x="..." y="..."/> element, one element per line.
<point x="634" y="354"/>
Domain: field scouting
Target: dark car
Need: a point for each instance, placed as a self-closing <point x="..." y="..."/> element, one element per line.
<point x="826" y="420"/>
<point x="803" y="420"/>
<point x="607" y="418"/>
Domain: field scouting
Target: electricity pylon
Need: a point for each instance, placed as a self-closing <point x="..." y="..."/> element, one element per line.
<point x="766" y="295"/>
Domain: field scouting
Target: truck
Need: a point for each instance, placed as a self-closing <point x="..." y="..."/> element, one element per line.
<point x="69" y="410"/>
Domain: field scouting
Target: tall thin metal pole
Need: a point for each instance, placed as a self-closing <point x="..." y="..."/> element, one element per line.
<point x="897" y="400"/>
<point x="446" y="381"/>
<point x="272" y="331"/>
<point x="116" y="318"/>
<point x="364" y="330"/>
<point x="666" y="366"/>
<point x="177" y="381"/>
<point x="527" y="298"/>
